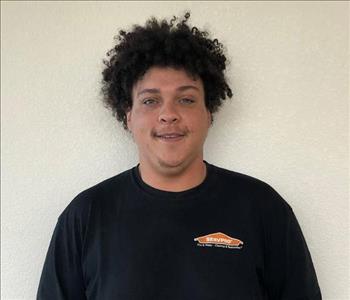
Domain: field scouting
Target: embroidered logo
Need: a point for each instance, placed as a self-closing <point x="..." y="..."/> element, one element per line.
<point x="218" y="239"/>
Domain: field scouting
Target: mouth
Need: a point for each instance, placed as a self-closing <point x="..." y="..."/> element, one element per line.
<point x="170" y="136"/>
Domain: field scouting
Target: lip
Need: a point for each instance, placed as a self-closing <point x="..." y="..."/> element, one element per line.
<point x="170" y="136"/>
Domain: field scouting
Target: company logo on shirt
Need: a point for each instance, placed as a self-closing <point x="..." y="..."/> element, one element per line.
<point x="218" y="239"/>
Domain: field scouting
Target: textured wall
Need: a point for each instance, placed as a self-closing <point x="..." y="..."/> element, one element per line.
<point x="286" y="125"/>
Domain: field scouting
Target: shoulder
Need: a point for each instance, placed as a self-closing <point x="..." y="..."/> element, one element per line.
<point x="249" y="189"/>
<point x="258" y="197"/>
<point x="98" y="195"/>
<point x="233" y="177"/>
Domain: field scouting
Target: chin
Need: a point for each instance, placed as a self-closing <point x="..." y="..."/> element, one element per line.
<point x="170" y="162"/>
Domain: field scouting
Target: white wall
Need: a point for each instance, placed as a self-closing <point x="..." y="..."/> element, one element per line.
<point x="286" y="125"/>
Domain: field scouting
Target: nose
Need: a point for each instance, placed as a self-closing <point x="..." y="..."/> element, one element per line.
<point x="168" y="114"/>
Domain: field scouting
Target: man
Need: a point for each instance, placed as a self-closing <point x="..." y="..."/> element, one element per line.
<point x="175" y="226"/>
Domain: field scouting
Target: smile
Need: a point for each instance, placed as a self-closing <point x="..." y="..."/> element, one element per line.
<point x="171" y="137"/>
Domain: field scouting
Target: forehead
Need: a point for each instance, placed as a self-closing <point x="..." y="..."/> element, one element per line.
<point x="166" y="78"/>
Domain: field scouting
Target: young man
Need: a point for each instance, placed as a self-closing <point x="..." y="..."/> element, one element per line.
<point x="175" y="226"/>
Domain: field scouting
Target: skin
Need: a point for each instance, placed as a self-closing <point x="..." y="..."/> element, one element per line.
<point x="169" y="123"/>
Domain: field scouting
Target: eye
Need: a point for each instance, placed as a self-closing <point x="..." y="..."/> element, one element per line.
<point x="149" y="101"/>
<point x="186" y="101"/>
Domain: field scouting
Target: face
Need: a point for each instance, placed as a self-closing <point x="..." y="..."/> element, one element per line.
<point x="168" y="120"/>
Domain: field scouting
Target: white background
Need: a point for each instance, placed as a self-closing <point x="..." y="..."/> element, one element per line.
<point x="287" y="123"/>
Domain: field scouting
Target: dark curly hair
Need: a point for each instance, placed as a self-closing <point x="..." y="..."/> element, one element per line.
<point x="165" y="44"/>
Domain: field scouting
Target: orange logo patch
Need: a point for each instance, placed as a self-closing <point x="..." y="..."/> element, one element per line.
<point x="218" y="239"/>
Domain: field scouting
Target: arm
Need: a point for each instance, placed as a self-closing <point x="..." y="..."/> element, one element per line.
<point x="62" y="276"/>
<point x="289" y="272"/>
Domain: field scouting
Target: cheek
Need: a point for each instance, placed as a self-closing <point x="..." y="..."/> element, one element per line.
<point x="139" y="120"/>
<point x="139" y="131"/>
<point x="141" y="126"/>
<point x="200" y="123"/>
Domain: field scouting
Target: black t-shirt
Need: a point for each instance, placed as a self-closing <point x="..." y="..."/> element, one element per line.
<point x="231" y="237"/>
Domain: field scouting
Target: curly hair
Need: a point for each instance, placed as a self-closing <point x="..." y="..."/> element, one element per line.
<point x="164" y="44"/>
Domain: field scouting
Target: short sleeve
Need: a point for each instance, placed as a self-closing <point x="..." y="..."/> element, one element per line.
<point x="289" y="270"/>
<point x="62" y="276"/>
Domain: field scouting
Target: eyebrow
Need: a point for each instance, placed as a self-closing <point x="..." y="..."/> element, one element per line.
<point x="157" y="91"/>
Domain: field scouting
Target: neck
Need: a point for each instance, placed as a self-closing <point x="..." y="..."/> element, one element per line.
<point x="181" y="179"/>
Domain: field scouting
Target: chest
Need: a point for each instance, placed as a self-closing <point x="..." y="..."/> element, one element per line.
<point x="188" y="253"/>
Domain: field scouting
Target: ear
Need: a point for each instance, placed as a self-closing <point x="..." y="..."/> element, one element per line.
<point x="210" y="118"/>
<point x="128" y="119"/>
